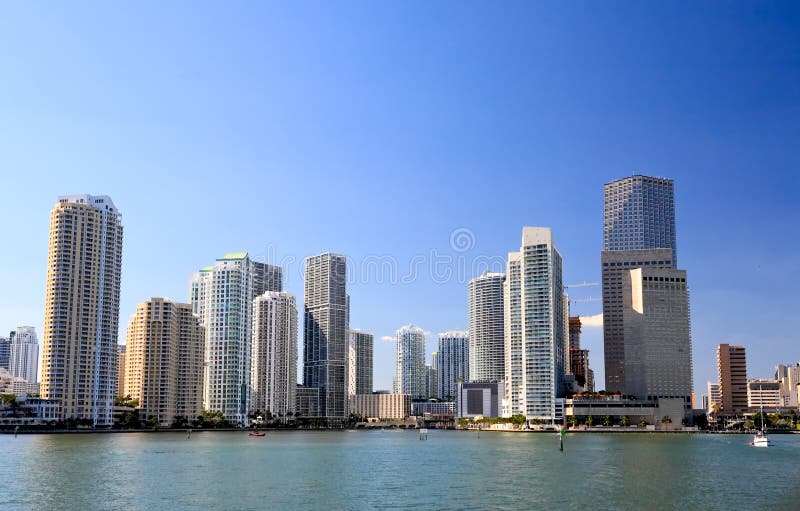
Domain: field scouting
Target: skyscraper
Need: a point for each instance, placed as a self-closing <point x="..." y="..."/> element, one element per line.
<point x="5" y="352"/>
<point x="638" y="231"/>
<point x="24" y="355"/>
<point x="410" y="373"/>
<point x="486" y="328"/>
<point x="534" y="326"/>
<point x="326" y="321"/>
<point x="360" y="362"/>
<point x="453" y="362"/>
<point x="274" y="365"/>
<point x="433" y="375"/>
<point x="164" y="361"/>
<point x="222" y="296"/>
<point x="658" y="343"/>
<point x="732" y="372"/>
<point x="79" y="349"/>
<point x="120" y="370"/>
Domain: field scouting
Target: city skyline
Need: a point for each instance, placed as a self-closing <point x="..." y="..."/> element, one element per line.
<point x="556" y="123"/>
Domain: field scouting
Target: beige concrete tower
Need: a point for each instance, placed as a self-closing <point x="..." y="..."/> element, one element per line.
<point x="120" y="370"/>
<point x="79" y="346"/>
<point x="164" y="361"/>
<point x="732" y="372"/>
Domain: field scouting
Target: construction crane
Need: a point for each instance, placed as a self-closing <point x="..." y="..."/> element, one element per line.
<point x="583" y="284"/>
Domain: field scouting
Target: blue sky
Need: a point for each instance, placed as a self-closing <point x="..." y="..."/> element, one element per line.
<point x="376" y="129"/>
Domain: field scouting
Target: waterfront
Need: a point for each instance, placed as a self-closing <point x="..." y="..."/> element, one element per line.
<point x="395" y="470"/>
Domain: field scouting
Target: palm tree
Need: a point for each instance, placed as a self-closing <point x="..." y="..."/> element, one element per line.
<point x="589" y="420"/>
<point x="607" y="420"/>
<point x="624" y="421"/>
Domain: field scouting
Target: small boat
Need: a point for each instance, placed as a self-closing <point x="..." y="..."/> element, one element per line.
<point x="256" y="433"/>
<point x="760" y="439"/>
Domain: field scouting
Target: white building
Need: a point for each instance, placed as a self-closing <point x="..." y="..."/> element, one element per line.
<point x="714" y="397"/>
<point x="274" y="360"/>
<point x="453" y="362"/>
<point x="222" y="296"/>
<point x="766" y="393"/>
<point x="410" y="373"/>
<point x="534" y="327"/>
<point x="24" y="354"/>
<point x="789" y="378"/>
<point x="486" y="328"/>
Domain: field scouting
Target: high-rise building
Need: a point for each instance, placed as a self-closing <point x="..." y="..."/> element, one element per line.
<point x="274" y="361"/>
<point x="638" y="231"/>
<point x="326" y="323"/>
<point x="164" y="361"/>
<point x="433" y="375"/>
<point x="658" y="343"/>
<point x="360" y="362"/>
<point x="410" y="375"/>
<point x="579" y="363"/>
<point x="789" y="378"/>
<point x="120" y="370"/>
<point x="534" y="327"/>
<point x="732" y="371"/>
<point x="81" y="320"/>
<point x="714" y="397"/>
<point x="575" y="332"/>
<point x="486" y="328"/>
<point x="24" y="356"/>
<point x="222" y="297"/>
<point x="5" y="353"/>
<point x="453" y="362"/>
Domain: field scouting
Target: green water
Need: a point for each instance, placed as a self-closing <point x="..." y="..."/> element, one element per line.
<point x="395" y="470"/>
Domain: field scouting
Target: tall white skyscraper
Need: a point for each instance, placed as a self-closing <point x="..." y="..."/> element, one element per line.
<point x="24" y="354"/>
<point x="534" y="326"/>
<point x="222" y="296"/>
<point x="658" y="342"/>
<point x="360" y="363"/>
<point x="486" y="328"/>
<point x="326" y="322"/>
<point x="274" y="361"/>
<point x="410" y="372"/>
<point x="453" y="362"/>
<point x="81" y="318"/>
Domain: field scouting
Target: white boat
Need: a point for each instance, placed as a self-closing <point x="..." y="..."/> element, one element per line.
<point x="761" y="439"/>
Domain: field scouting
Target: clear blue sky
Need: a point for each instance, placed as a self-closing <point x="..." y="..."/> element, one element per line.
<point x="378" y="128"/>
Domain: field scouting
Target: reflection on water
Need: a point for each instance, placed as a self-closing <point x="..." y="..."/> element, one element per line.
<point x="394" y="470"/>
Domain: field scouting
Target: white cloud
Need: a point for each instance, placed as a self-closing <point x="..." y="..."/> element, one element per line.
<point x="387" y="338"/>
<point x="592" y="321"/>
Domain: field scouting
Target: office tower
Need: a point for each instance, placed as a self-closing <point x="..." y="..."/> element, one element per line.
<point x="433" y="375"/>
<point x="789" y="378"/>
<point x="453" y="362"/>
<point x="81" y="320"/>
<point x="534" y="326"/>
<point x="410" y="374"/>
<point x="120" y="370"/>
<point x="274" y="364"/>
<point x="24" y="354"/>
<point x="638" y="231"/>
<point x="5" y="352"/>
<point x="326" y="321"/>
<point x="486" y="328"/>
<point x="222" y="297"/>
<point x="714" y="398"/>
<point x="360" y="362"/>
<point x="732" y="371"/>
<point x="164" y="361"/>
<point x="658" y="343"/>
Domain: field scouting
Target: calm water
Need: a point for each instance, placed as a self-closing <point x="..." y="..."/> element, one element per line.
<point x="395" y="470"/>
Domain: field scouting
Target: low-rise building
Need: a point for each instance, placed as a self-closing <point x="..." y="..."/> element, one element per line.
<point x="480" y="399"/>
<point x="381" y="406"/>
<point x="29" y="411"/>
<point x="306" y="402"/>
<point x="764" y="393"/>
<point x="664" y="413"/>
<point x="433" y="407"/>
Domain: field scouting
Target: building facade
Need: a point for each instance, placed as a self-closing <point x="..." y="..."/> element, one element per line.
<point x="360" y="362"/>
<point x="222" y="297"/>
<point x="480" y="399"/>
<point x="81" y="320"/>
<point x="410" y="375"/>
<point x="638" y="231"/>
<point x="5" y="352"/>
<point x="486" y="328"/>
<point x="534" y="327"/>
<point x="714" y="398"/>
<point x="453" y="362"/>
<point x="274" y="361"/>
<point x="121" y="350"/>
<point x="24" y="354"/>
<point x="164" y="361"/>
<point x="764" y="393"/>
<point x="732" y="372"/>
<point x="381" y="406"/>
<point x="326" y="322"/>
<point x="658" y="344"/>
<point x="789" y="378"/>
